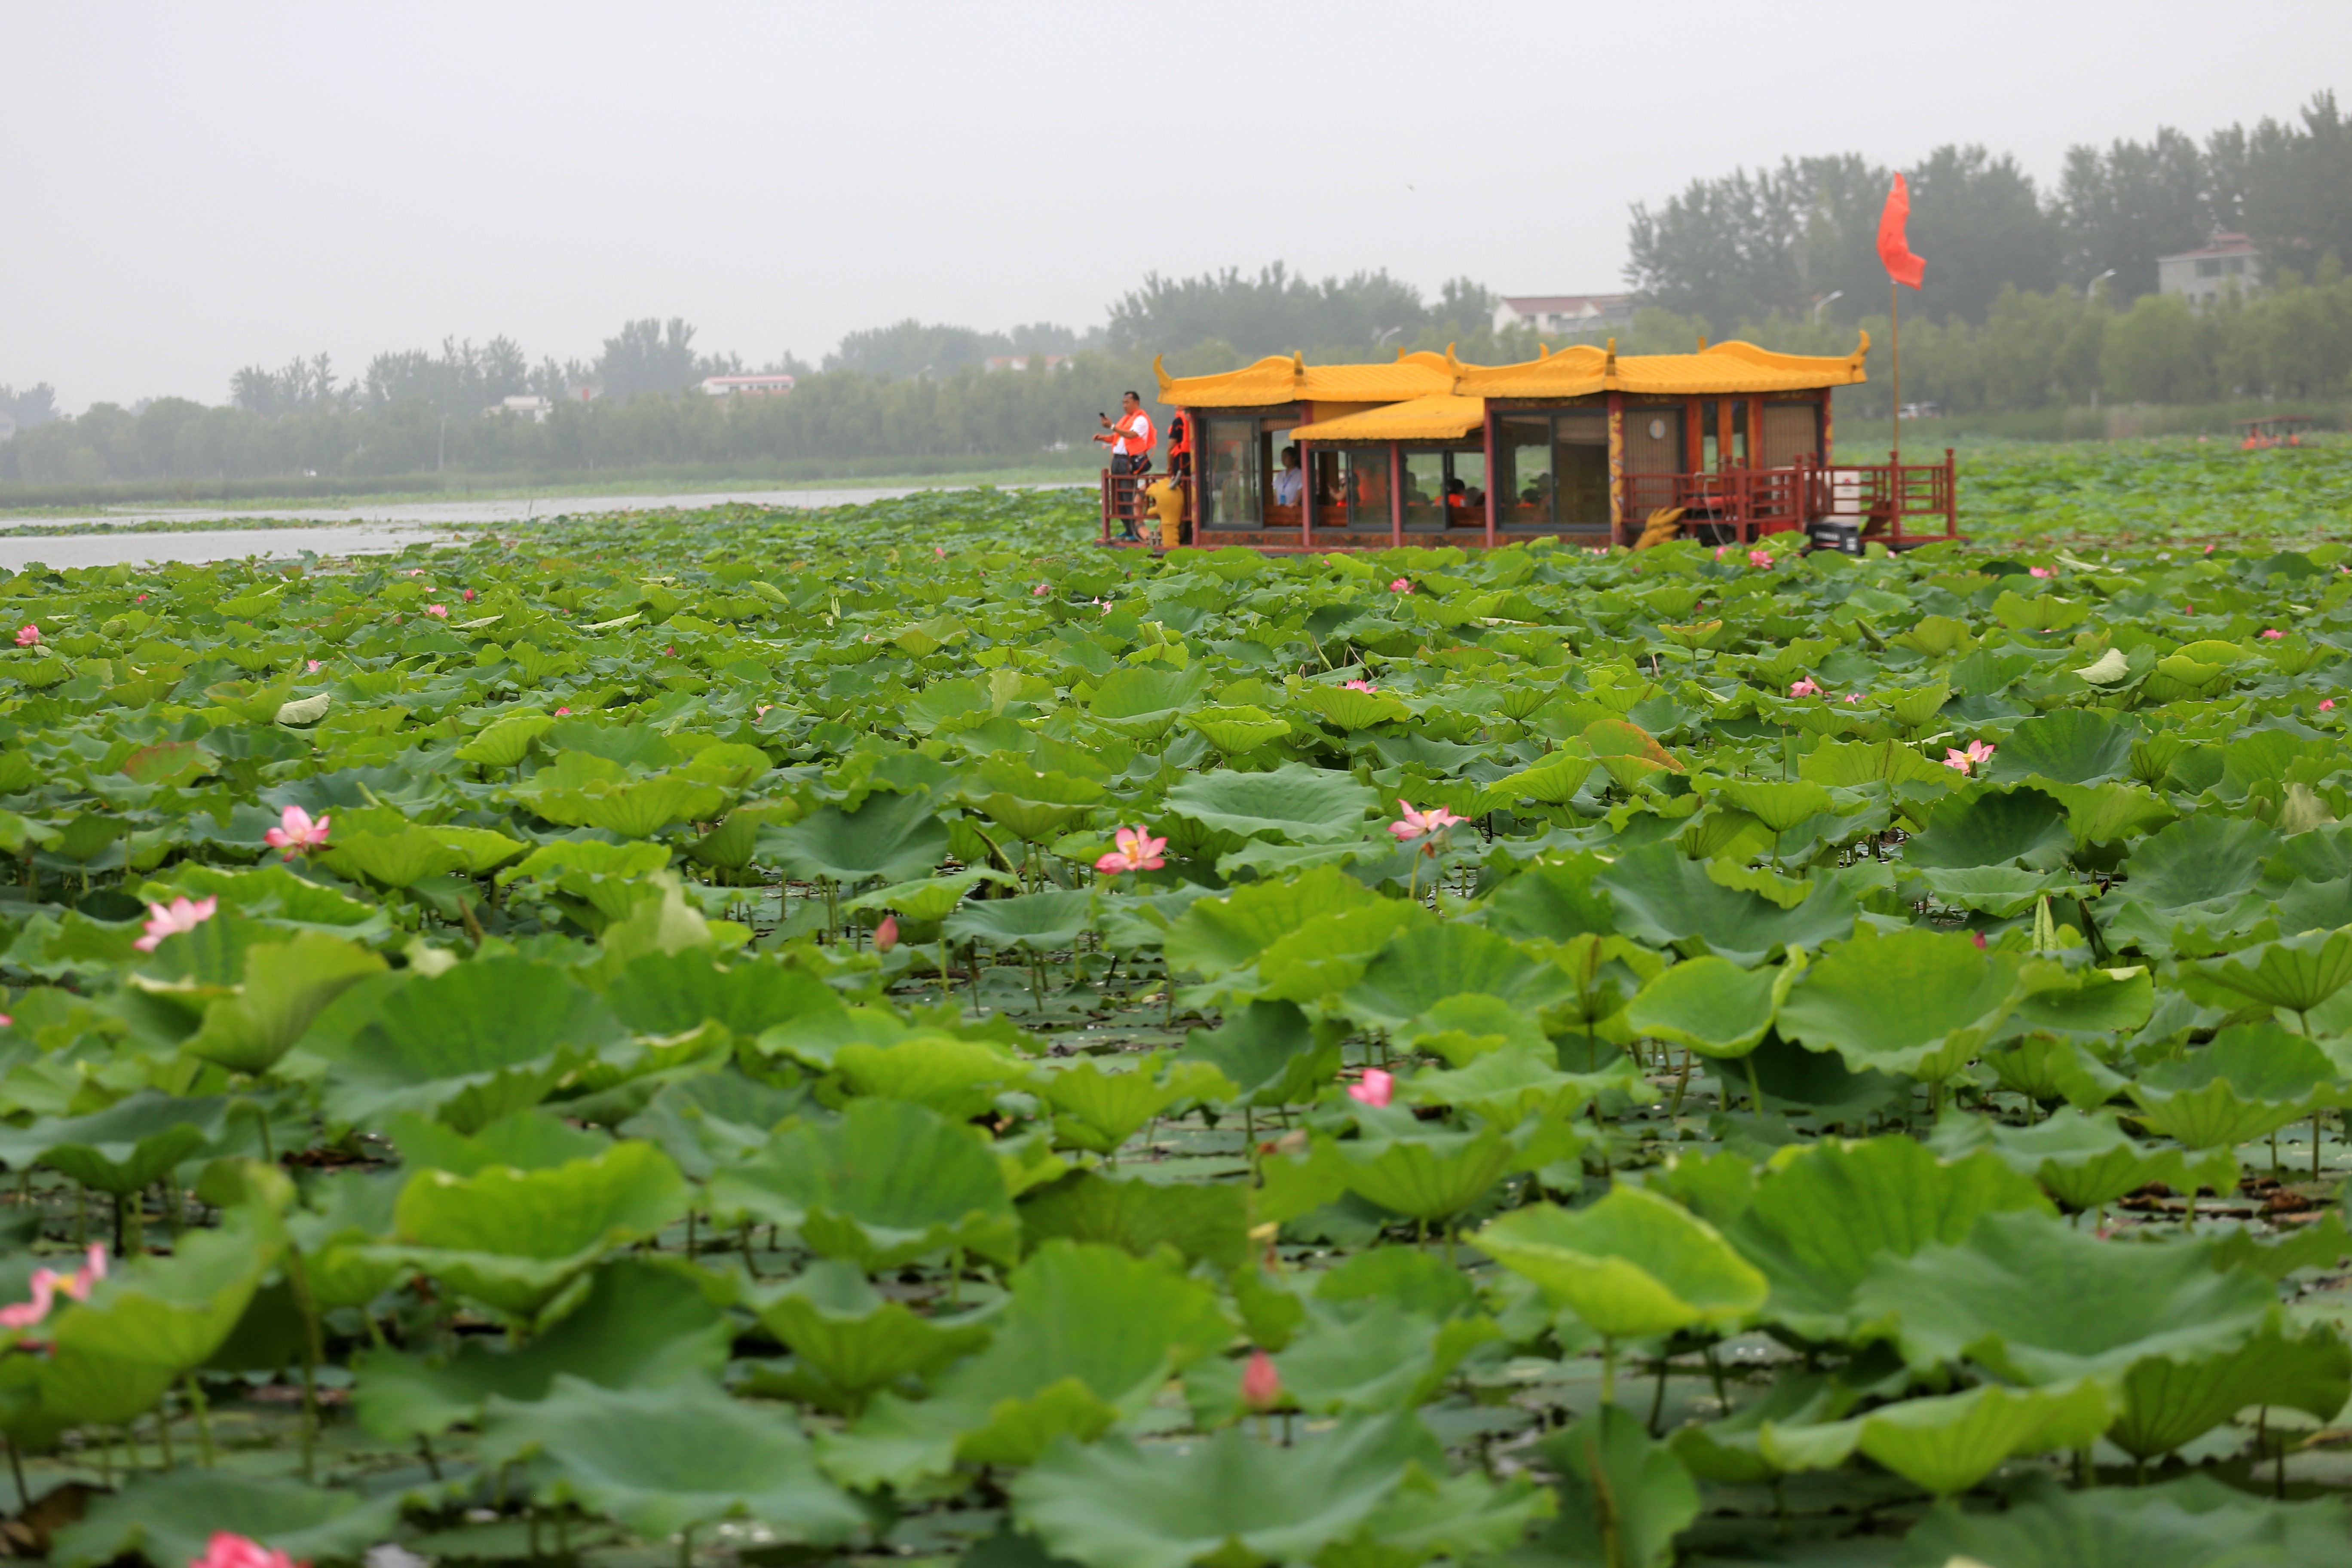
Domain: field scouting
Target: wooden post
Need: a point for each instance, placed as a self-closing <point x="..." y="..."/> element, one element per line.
<point x="1895" y="356"/>
<point x="1396" y="496"/>
<point x="1616" y="471"/>
<point x="1490" y="476"/>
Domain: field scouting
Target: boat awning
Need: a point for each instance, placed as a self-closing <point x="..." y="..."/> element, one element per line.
<point x="1444" y="418"/>
<point x="1725" y="370"/>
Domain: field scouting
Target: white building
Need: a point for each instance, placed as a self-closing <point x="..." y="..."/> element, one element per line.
<point x="535" y="409"/>
<point x="1575" y="314"/>
<point x="2227" y="262"/>
<point x="747" y="385"/>
<point x="1020" y="361"/>
<point x="8" y="427"/>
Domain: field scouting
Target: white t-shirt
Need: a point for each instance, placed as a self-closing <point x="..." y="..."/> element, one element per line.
<point x="1136" y="425"/>
<point x="1287" y="485"/>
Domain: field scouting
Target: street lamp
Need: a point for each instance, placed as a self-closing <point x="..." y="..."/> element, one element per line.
<point x="2094" y="286"/>
<point x="1381" y="339"/>
<point x="1832" y="294"/>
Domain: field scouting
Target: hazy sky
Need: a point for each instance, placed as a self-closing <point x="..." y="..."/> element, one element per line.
<point x="193" y="187"/>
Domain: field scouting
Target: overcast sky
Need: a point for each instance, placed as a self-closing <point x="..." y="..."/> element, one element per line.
<point x="193" y="187"/>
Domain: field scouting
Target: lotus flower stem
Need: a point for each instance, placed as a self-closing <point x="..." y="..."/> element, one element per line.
<point x="1658" y="1399"/>
<point x="1755" y="1089"/>
<point x="16" y="1469"/>
<point x="1607" y="1369"/>
<point x="298" y="1276"/>
<point x="2315" y="1145"/>
<point x="197" y="1408"/>
<point x="164" y="1431"/>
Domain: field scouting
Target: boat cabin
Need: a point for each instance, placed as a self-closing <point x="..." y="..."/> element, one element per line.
<point x="1733" y="441"/>
<point x="2274" y="430"/>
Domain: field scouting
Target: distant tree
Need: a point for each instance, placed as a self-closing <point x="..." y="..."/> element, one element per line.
<point x="36" y="405"/>
<point x="301" y="386"/>
<point x="2122" y="208"/>
<point x="462" y="381"/>
<point x="913" y="348"/>
<point x="1982" y="227"/>
<point x="1276" y="312"/>
<point x="649" y="355"/>
<point x="2298" y="203"/>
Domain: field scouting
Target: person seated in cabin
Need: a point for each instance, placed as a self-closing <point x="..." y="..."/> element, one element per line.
<point x="1456" y="494"/>
<point x="1292" y="481"/>
<point x="1474" y="498"/>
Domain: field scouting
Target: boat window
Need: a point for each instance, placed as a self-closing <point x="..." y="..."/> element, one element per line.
<point x="1580" y="456"/>
<point x="1231" y="467"/>
<point x="1425" y="489"/>
<point x="1523" y="471"/>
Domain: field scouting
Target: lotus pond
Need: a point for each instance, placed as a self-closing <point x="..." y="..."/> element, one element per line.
<point x="643" y="1040"/>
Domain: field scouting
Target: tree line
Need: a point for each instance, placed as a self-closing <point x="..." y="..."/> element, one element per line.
<point x="1802" y="237"/>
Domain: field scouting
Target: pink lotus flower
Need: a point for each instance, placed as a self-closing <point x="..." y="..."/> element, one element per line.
<point x="886" y="935"/>
<point x="2328" y="705"/>
<point x="939" y="550"/>
<point x="1420" y="823"/>
<point x="28" y="635"/>
<point x="1363" y="686"/>
<point x="226" y="1550"/>
<point x="296" y="833"/>
<point x="1966" y="761"/>
<point x="761" y="710"/>
<point x="1718" y="552"/>
<point x="563" y="712"/>
<point x="469" y="596"/>
<point x="1041" y="590"/>
<point x="1760" y="558"/>
<point x="1376" y="1091"/>
<point x="439" y="611"/>
<point x="1978" y="937"/>
<point x="1136" y="851"/>
<point x="416" y="572"/>
<point x="1261" y="1383"/>
<point x="5" y="1021"/>
<point x="47" y="1282"/>
<point x="311" y="666"/>
<point x="1400" y="585"/>
<point x="1854" y="696"/>
<point x="170" y="920"/>
<point x="1803" y="688"/>
<point x="2040" y="571"/>
<point x="2272" y="634"/>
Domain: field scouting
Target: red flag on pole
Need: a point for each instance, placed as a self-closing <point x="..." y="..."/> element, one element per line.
<point x="1892" y="248"/>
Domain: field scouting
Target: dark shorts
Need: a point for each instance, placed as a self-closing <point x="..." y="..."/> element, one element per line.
<point x="1121" y="463"/>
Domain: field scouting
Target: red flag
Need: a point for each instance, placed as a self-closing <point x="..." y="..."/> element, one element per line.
<point x="1892" y="248"/>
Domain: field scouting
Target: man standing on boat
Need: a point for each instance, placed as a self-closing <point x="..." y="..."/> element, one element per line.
<point x="1130" y="441"/>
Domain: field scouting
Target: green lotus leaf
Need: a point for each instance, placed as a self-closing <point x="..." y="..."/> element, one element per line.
<point x="674" y="993"/>
<point x="1553" y="901"/>
<point x="890" y="837"/>
<point x="124" y="1148"/>
<point x="1426" y="1174"/>
<point x="1711" y="1004"/>
<point x="1238" y="730"/>
<point x="1820" y="1215"/>
<point x="929" y="900"/>
<point x="479" y="1041"/>
<point x="1100" y="1108"/>
<point x="2085" y="1159"/>
<point x="640" y="1325"/>
<point x="1039" y="921"/>
<point x="1090" y="1333"/>
<point x="169" y="1518"/>
<point x="1988" y="1300"/>
<point x="1366" y="1355"/>
<point x="507" y="742"/>
<point x="1634" y="1264"/>
<point x="287" y="985"/>
<point x="848" y="1340"/>
<point x="2169" y="1400"/>
<point x="2201" y="860"/>
<point x="2001" y="892"/>
<point x="1227" y="1500"/>
<point x="706" y="1119"/>
<point x="1515" y="1081"/>
<point x="1271" y="1052"/>
<point x="1948" y="1444"/>
<point x="1208" y="1222"/>
<point x="1217" y="934"/>
<point x="1843" y="764"/>
<point x="1917" y="1002"/>
<point x="1465" y="1027"/>
<point x="2195" y="1522"/>
<point x="399" y="860"/>
<point x="2252" y="1079"/>
<point x="958" y="1078"/>
<point x="151" y="1324"/>
<point x="2296" y="973"/>
<point x="1993" y="827"/>
<point x="1664" y="899"/>
<point x="1555" y="781"/>
<point x="2090" y="1004"/>
<point x="514" y="1239"/>
<point x="1729" y="1452"/>
<point x="592" y="855"/>
<point x="1294" y="802"/>
<point x="527" y="1141"/>
<point x="1146" y="703"/>
<point x="2070" y="746"/>
<point x="1351" y="710"/>
<point x="887" y="1183"/>
<point x="1419" y="969"/>
<point x="1625" y="1497"/>
<point x="668" y="1459"/>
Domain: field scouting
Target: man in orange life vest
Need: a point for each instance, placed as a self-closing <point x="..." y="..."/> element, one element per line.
<point x="1130" y="441"/>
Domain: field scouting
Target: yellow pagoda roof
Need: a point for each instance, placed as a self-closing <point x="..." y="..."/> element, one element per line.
<point x="1443" y="416"/>
<point x="1280" y="378"/>
<point x="1725" y="368"/>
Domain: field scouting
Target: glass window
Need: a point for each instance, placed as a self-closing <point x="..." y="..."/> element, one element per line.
<point x="1707" y="455"/>
<point x="1230" y="475"/>
<point x="1424" y="486"/>
<point x="1739" y="435"/>
<point x="1523" y="475"/>
<point x="1353" y="489"/>
<point x="1465" y="489"/>
<point x="1582" y="458"/>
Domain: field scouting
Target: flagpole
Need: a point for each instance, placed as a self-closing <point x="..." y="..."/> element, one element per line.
<point x="1894" y="347"/>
